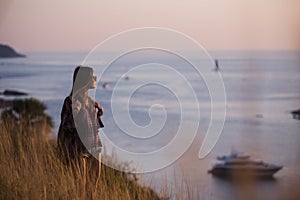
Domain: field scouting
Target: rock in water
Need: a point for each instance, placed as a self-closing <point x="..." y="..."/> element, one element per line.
<point x="13" y="93"/>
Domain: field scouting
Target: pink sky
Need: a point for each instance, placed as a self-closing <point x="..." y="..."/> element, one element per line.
<point x="33" y="25"/>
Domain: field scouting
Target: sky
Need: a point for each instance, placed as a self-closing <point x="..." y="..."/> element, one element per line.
<point x="72" y="25"/>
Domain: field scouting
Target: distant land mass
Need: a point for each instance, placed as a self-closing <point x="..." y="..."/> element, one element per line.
<point x="8" y="52"/>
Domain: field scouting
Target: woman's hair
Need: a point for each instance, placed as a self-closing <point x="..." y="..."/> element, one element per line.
<point x="81" y="78"/>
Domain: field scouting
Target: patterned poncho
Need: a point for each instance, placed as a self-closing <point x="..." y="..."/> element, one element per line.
<point x="78" y="131"/>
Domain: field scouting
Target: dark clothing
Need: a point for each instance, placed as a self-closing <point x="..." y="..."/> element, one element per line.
<point x="78" y="135"/>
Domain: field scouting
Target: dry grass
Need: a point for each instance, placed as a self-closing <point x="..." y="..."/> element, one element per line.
<point x="30" y="169"/>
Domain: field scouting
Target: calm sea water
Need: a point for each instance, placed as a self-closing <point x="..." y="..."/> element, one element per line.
<point x="261" y="87"/>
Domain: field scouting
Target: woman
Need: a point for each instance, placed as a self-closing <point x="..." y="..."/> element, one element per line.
<point x="78" y="138"/>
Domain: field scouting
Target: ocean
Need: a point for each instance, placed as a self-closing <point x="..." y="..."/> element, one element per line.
<point x="261" y="87"/>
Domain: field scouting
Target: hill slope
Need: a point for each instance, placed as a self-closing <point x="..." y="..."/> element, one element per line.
<point x="8" y="52"/>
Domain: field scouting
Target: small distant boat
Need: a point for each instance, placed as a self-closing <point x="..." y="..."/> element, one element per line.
<point x="105" y="85"/>
<point x="296" y="114"/>
<point x="239" y="164"/>
<point x="126" y="78"/>
<point x="216" y="65"/>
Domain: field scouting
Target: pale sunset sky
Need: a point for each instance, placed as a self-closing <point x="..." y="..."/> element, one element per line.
<point x="72" y="25"/>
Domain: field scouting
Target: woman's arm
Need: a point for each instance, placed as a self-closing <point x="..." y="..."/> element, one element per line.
<point x="99" y="113"/>
<point x="100" y="108"/>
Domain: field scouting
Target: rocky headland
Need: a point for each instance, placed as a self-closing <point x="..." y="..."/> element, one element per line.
<point x="8" y="52"/>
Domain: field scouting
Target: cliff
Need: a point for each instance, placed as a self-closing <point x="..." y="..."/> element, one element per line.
<point x="8" y="52"/>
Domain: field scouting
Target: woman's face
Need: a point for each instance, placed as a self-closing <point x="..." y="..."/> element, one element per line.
<point x="93" y="82"/>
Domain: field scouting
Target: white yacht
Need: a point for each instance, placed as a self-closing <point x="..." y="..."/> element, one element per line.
<point x="240" y="164"/>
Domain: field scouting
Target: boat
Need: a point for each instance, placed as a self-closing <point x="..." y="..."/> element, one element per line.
<point x="105" y="85"/>
<point x="239" y="164"/>
<point x="296" y="114"/>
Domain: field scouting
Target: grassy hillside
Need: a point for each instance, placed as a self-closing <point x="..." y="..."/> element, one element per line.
<point x="31" y="169"/>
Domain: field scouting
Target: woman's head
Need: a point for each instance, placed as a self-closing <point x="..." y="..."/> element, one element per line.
<point x="83" y="79"/>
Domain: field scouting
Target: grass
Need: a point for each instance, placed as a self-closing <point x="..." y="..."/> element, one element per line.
<point x="30" y="169"/>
